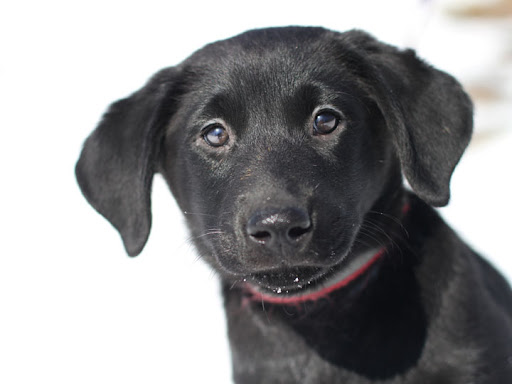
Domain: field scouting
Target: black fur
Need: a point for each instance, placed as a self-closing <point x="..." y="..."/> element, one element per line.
<point x="279" y="208"/>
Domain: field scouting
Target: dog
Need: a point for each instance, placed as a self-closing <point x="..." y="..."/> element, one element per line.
<point x="287" y="150"/>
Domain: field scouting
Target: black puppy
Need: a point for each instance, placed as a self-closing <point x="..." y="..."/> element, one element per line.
<point x="286" y="148"/>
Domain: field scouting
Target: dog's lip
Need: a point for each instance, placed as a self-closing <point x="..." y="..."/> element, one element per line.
<point x="286" y="281"/>
<point x="319" y="285"/>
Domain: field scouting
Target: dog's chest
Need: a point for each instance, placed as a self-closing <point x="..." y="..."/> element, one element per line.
<point x="266" y="349"/>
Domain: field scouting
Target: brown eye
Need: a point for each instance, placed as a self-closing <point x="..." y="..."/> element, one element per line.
<point x="216" y="135"/>
<point x="325" y="123"/>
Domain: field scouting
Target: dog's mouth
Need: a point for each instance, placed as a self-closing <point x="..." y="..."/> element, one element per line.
<point x="287" y="281"/>
<point x="296" y="285"/>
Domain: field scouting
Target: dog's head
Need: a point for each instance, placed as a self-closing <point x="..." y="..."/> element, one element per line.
<point x="278" y="144"/>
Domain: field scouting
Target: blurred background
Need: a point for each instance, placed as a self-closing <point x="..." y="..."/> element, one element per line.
<point x="73" y="307"/>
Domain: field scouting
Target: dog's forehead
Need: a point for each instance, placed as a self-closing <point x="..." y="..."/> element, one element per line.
<point x="264" y="42"/>
<point x="275" y="54"/>
<point x="269" y="69"/>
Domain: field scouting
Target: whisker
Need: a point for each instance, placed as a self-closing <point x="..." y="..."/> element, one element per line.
<point x="357" y="240"/>
<point x="369" y="234"/>
<point x="219" y="232"/>
<point x="378" y="229"/>
<point x="392" y="218"/>
<point x="197" y="214"/>
<point x="233" y="285"/>
<point x="396" y="233"/>
<point x="371" y="225"/>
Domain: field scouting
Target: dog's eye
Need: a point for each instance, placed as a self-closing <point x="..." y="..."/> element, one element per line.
<point x="325" y="123"/>
<point x="216" y="135"/>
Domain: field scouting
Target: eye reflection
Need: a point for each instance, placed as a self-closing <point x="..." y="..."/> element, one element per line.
<point x="216" y="136"/>
<point x="325" y="123"/>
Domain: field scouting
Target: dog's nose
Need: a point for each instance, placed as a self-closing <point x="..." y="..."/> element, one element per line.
<point x="275" y="228"/>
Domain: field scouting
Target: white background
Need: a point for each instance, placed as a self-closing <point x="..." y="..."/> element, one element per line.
<point x="73" y="307"/>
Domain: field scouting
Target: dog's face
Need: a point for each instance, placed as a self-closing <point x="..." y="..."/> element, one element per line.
<point x="279" y="145"/>
<point x="276" y="162"/>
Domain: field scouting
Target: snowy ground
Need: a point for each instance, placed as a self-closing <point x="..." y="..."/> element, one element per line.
<point x="73" y="307"/>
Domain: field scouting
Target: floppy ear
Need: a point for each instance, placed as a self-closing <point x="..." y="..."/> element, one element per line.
<point x="118" y="160"/>
<point x="427" y="112"/>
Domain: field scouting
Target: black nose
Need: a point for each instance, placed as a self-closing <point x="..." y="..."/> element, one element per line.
<point x="275" y="228"/>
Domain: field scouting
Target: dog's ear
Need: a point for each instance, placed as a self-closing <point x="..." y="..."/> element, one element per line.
<point x="427" y="111"/>
<point x="116" y="167"/>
